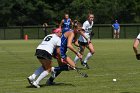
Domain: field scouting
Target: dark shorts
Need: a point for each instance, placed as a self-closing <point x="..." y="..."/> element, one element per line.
<point x="83" y="43"/>
<point x="42" y="54"/>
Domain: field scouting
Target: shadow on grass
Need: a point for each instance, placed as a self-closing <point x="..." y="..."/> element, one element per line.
<point x="56" y="84"/>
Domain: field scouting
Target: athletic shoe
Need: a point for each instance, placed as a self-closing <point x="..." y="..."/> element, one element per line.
<point x="53" y="74"/>
<point x="35" y="84"/>
<point x="82" y="63"/>
<point x="86" y="65"/>
<point x="138" y="56"/>
<point x="30" y="80"/>
<point x="49" y="83"/>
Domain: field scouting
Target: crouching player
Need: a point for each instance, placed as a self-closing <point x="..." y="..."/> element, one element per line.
<point x="44" y="55"/>
<point x="135" y="46"/>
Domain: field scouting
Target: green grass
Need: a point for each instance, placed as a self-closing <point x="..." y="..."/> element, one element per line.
<point x="113" y="59"/>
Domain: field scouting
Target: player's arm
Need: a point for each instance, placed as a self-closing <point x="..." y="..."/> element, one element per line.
<point x="81" y="31"/>
<point x="113" y="25"/>
<point x="69" y="45"/>
<point x="58" y="55"/>
<point x="61" y="23"/>
<point x="71" y="23"/>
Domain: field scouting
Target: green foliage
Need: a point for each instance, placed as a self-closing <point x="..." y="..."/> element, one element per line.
<point x="36" y="12"/>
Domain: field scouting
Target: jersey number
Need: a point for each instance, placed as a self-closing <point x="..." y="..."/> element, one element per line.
<point x="48" y="38"/>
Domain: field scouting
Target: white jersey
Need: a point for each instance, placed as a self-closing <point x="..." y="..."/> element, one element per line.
<point x="88" y="29"/>
<point x="49" y="43"/>
<point x="138" y="37"/>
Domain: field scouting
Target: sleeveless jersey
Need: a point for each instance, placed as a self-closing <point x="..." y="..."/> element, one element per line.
<point x="63" y="47"/>
<point x="66" y="25"/>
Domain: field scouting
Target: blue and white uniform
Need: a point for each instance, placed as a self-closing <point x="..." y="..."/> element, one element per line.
<point x="87" y="31"/>
<point x="66" y="25"/>
<point x="116" y="26"/>
<point x="63" y="47"/>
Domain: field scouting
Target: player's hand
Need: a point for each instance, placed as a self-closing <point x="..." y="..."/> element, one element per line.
<point x="79" y="55"/>
<point x="64" y="61"/>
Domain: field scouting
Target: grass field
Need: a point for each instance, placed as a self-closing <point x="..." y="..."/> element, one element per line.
<point x="113" y="59"/>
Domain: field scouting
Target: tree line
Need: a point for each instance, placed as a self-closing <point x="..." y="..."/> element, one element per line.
<point x="36" y="12"/>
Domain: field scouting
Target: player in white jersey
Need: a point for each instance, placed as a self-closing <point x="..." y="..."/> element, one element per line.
<point x="86" y="42"/>
<point x="135" y="46"/>
<point x="44" y="53"/>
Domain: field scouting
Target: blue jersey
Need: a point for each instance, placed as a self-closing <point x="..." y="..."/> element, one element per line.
<point x="116" y="26"/>
<point x="63" y="47"/>
<point x="66" y="25"/>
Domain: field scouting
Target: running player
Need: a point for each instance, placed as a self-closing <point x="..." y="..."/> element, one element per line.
<point x="116" y="27"/>
<point x="66" y="41"/>
<point x="65" y="24"/>
<point x="135" y="46"/>
<point x="85" y="42"/>
<point x="44" y="54"/>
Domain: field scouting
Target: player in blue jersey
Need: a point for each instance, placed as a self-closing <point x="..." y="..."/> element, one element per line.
<point x="67" y="39"/>
<point x="116" y="27"/>
<point x="65" y="24"/>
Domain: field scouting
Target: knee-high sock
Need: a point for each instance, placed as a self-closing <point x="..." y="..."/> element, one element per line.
<point x="76" y="59"/>
<point x="37" y="72"/>
<point x="89" y="55"/>
<point x="41" y="76"/>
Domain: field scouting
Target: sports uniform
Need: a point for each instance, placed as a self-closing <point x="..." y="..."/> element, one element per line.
<point x="47" y="46"/>
<point x="44" y="53"/>
<point x="116" y="27"/>
<point x="66" y="25"/>
<point x="87" y="31"/>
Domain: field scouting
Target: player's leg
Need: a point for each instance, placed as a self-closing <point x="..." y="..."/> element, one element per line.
<point x="118" y="33"/>
<point x="114" y="33"/>
<point x="47" y="69"/>
<point x="32" y="77"/>
<point x="89" y="55"/>
<point x="81" y="51"/>
<point x="135" y="46"/>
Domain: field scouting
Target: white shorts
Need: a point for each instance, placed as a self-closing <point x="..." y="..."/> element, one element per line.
<point x="138" y="37"/>
<point x="82" y="39"/>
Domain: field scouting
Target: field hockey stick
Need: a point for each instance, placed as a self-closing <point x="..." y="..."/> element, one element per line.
<point x="79" y="72"/>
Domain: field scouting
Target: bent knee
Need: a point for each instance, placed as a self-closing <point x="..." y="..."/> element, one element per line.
<point x="92" y="52"/>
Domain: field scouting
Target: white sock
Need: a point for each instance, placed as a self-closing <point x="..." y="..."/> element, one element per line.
<point x="76" y="59"/>
<point x="89" y="55"/>
<point x="42" y="75"/>
<point x="37" y="72"/>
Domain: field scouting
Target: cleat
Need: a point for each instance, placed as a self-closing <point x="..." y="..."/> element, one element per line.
<point x="138" y="56"/>
<point x="30" y="80"/>
<point x="53" y="73"/>
<point x="82" y="63"/>
<point x="35" y="85"/>
<point x="49" y="83"/>
<point x="86" y="65"/>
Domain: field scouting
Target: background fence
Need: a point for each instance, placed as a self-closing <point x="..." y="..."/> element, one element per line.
<point x="36" y="32"/>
